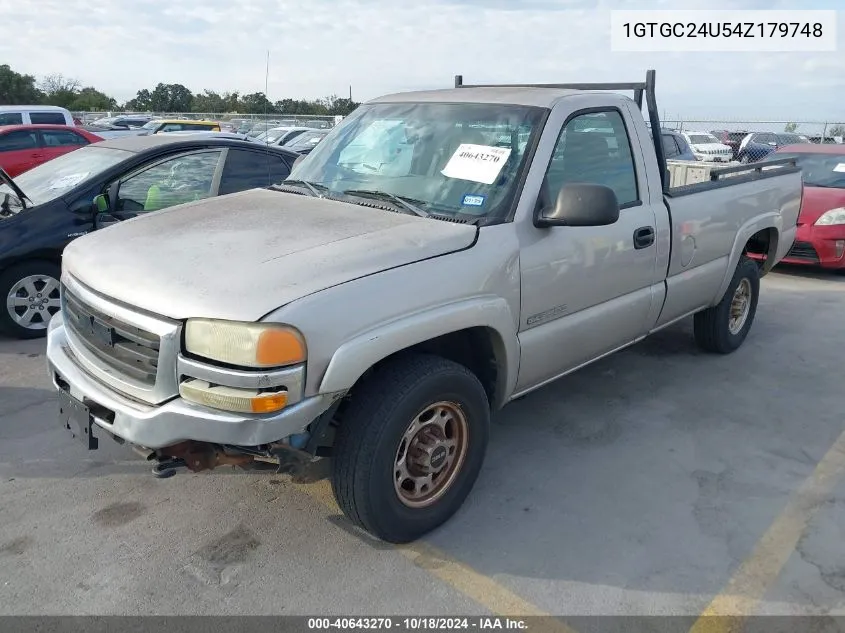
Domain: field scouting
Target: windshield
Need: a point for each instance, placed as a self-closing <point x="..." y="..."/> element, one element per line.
<point x="818" y="170"/>
<point x="702" y="139"/>
<point x="151" y="125"/>
<point x="56" y="177"/>
<point x="306" y="139"/>
<point x="449" y="158"/>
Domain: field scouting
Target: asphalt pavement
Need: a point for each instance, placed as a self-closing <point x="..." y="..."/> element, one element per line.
<point x="660" y="480"/>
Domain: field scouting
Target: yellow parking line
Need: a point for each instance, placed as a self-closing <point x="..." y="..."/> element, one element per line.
<point x="498" y="599"/>
<point x="760" y="570"/>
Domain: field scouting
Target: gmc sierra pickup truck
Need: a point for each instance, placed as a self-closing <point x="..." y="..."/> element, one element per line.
<point x="436" y="256"/>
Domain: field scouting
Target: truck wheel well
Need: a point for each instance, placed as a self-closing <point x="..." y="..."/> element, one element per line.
<point x="764" y="244"/>
<point x="477" y="348"/>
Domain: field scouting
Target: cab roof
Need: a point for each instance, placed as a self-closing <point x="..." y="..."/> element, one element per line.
<point x="201" y="122"/>
<point x="506" y="95"/>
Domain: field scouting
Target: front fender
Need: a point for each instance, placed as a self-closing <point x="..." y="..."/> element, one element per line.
<point x="357" y="355"/>
<point x="772" y="220"/>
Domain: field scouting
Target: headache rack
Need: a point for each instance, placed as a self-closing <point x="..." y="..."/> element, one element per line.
<point x="639" y="89"/>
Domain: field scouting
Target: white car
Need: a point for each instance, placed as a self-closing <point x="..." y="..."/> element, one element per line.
<point x="707" y="147"/>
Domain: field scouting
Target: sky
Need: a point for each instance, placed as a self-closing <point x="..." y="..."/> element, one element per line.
<point x="321" y="47"/>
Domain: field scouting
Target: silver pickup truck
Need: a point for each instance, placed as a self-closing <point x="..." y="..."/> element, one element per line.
<point x="436" y="256"/>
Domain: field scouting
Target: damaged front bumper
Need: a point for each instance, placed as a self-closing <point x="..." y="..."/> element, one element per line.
<point x="171" y="423"/>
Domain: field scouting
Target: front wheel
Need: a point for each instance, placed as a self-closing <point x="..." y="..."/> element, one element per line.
<point x="723" y="328"/>
<point x="410" y="446"/>
<point x="30" y="295"/>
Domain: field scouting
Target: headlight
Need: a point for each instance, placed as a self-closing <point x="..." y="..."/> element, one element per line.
<point x="257" y="345"/>
<point x="834" y="216"/>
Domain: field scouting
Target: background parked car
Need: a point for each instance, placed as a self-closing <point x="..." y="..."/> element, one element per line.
<point x="281" y="135"/>
<point x="820" y="240"/>
<point x="304" y="143"/>
<point x="35" y="114"/>
<point x="731" y="139"/>
<point x="757" y="145"/>
<point x="45" y="208"/>
<point x="675" y="146"/>
<point x="159" y="126"/>
<point x="706" y="146"/>
<point x="23" y="147"/>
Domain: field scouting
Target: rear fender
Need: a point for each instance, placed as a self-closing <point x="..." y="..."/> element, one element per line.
<point x="772" y="220"/>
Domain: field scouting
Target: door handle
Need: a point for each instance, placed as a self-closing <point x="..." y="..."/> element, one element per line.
<point x="644" y="237"/>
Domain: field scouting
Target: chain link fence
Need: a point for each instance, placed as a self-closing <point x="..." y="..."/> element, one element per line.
<point x="752" y="140"/>
<point x="237" y="121"/>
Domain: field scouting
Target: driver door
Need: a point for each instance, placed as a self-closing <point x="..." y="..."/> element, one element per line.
<point x="179" y="179"/>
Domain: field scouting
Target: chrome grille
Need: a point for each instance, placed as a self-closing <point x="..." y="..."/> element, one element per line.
<point x="125" y="348"/>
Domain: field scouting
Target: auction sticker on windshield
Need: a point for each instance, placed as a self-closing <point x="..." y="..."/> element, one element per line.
<point x="66" y="182"/>
<point x="478" y="163"/>
<point x="840" y="167"/>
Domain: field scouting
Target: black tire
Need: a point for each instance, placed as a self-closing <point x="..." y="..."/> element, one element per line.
<point x="8" y="279"/>
<point x="712" y="326"/>
<point x="371" y="431"/>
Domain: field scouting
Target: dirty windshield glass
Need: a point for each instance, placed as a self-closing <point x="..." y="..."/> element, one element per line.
<point x="446" y="158"/>
<point x="56" y="177"/>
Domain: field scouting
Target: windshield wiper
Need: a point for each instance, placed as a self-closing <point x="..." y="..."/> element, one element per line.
<point x="401" y="201"/>
<point x="313" y="187"/>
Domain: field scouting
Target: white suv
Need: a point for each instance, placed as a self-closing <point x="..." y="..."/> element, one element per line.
<point x="34" y="114"/>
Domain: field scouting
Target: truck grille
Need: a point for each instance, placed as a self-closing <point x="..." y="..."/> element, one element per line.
<point x="803" y="251"/>
<point x="126" y="349"/>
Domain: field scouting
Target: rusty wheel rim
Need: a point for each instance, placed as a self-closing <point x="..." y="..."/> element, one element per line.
<point x="430" y="454"/>
<point x="740" y="306"/>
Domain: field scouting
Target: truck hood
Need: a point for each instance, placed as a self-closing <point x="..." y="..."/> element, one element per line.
<point x="243" y="255"/>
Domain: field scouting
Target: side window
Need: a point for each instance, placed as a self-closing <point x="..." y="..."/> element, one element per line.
<point x="11" y="118"/>
<point x="670" y="146"/>
<point x="62" y="138"/>
<point x="183" y="178"/>
<point x="18" y="140"/>
<point x="172" y="127"/>
<point x="594" y="148"/>
<point x="247" y="170"/>
<point x="53" y="118"/>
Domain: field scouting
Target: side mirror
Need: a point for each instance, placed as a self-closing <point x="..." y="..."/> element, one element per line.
<point x="581" y="204"/>
<point x="101" y="203"/>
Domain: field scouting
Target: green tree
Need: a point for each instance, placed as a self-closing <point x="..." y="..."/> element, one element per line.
<point x="59" y="90"/>
<point x="790" y="128"/>
<point x="171" y="98"/>
<point x="17" y="89"/>
<point x="209" y="101"/>
<point x="256" y="103"/>
<point x="833" y="130"/>
<point x="142" y="102"/>
<point x="90" y="99"/>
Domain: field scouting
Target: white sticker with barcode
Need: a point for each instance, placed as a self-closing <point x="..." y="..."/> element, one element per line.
<point x="478" y="163"/>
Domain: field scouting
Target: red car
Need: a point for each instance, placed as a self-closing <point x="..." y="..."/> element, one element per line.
<point x="820" y="240"/>
<point x="22" y="147"/>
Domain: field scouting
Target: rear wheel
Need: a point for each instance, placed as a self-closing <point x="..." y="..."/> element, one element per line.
<point x="30" y="295"/>
<point x="723" y="328"/>
<point x="410" y="446"/>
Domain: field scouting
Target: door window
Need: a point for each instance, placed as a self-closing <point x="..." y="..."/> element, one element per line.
<point x="183" y="178"/>
<point x="594" y="148"/>
<point x="247" y="170"/>
<point x="52" y="118"/>
<point x="18" y="140"/>
<point x="11" y="118"/>
<point x="62" y="138"/>
<point x="670" y="146"/>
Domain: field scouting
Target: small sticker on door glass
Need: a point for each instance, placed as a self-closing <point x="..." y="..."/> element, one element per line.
<point x="839" y="167"/>
<point x="478" y="163"/>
